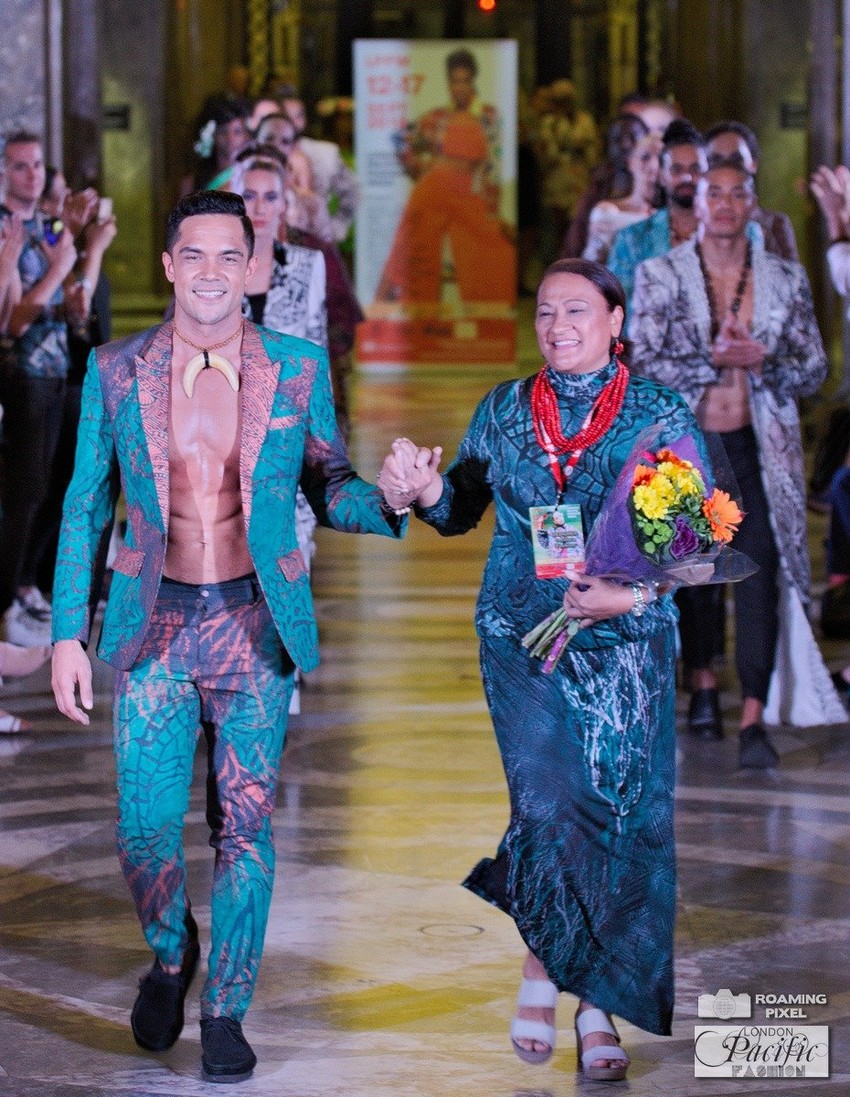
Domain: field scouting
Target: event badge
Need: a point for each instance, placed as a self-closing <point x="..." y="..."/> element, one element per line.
<point x="558" y="539"/>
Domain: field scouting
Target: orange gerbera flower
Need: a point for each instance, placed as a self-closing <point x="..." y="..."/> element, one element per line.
<point x="723" y="515"/>
<point x="643" y="475"/>
<point x="673" y="459"/>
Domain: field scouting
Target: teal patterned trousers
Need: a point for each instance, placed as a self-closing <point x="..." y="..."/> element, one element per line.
<point x="212" y="662"/>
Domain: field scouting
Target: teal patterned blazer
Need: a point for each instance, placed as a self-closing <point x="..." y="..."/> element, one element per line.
<point x="289" y="436"/>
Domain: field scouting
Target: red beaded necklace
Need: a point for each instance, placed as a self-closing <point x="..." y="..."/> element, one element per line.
<point x="546" y="418"/>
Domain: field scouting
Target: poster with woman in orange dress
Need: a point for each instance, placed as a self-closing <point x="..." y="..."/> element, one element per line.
<point x="439" y="202"/>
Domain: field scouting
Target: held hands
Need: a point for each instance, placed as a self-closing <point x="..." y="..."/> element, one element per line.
<point x="735" y="348"/>
<point x="71" y="668"/>
<point x="590" y="599"/>
<point x="409" y="474"/>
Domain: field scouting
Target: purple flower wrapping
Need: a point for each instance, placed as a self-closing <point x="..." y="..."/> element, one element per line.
<point x="611" y="548"/>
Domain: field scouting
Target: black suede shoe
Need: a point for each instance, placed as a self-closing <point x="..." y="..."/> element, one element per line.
<point x="757" y="751"/>
<point x="226" y="1055"/>
<point x="157" y="1017"/>
<point x="704" y="719"/>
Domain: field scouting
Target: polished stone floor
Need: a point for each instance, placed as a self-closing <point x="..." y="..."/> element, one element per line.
<point x="381" y="975"/>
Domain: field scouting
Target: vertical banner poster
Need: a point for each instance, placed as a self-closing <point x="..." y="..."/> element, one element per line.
<point x="435" y="136"/>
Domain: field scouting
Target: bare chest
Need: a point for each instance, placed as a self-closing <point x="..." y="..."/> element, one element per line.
<point x="730" y="292"/>
<point x="204" y="430"/>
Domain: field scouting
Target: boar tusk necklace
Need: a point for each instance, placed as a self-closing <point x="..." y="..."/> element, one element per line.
<point x="205" y="359"/>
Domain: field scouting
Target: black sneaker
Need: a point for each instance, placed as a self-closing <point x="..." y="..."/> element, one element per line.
<point x="157" y="1017"/>
<point x="757" y="751"/>
<point x="226" y="1055"/>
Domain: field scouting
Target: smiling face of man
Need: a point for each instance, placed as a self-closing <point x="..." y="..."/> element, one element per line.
<point x="208" y="265"/>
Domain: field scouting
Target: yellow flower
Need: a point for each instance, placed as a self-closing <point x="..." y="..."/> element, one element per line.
<point x="683" y="476"/>
<point x="655" y="498"/>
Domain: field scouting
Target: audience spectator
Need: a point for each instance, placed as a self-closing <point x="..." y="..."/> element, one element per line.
<point x="732" y="328"/>
<point x="11" y="245"/>
<point x="831" y="188"/>
<point x="89" y="217"/>
<point x="33" y="398"/>
<point x="569" y="148"/>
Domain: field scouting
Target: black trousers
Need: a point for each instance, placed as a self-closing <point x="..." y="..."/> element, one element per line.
<point x="756" y="598"/>
<point x="33" y="408"/>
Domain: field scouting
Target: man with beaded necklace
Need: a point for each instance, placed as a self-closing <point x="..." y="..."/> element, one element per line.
<point x="732" y="328"/>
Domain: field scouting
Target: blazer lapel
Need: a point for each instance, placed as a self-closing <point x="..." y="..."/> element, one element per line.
<point x="763" y="302"/>
<point x="153" y="375"/>
<point x="259" y="383"/>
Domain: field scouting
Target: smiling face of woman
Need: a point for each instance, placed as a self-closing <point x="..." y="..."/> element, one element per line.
<point x="265" y="202"/>
<point x="575" y="324"/>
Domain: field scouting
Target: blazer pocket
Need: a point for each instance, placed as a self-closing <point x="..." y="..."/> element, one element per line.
<point x="128" y="561"/>
<point x="292" y="566"/>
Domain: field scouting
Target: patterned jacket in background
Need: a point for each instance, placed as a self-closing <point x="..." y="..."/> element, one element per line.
<point x="670" y="330"/>
<point x="670" y="327"/>
<point x="296" y="300"/>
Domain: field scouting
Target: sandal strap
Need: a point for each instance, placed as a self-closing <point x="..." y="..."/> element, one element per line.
<point x="609" y="1052"/>
<point x="594" y="1020"/>
<point x="521" y="1029"/>
<point x="538" y="992"/>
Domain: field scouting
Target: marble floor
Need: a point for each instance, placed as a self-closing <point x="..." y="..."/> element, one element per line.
<point x="381" y="975"/>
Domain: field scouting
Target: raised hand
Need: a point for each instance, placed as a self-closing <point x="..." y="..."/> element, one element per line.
<point x="11" y="242"/>
<point x="63" y="254"/>
<point x="832" y="192"/>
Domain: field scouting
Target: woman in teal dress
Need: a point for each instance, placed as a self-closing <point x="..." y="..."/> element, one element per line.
<point x="587" y="867"/>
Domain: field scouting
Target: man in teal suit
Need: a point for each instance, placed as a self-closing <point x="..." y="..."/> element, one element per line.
<point x="208" y="424"/>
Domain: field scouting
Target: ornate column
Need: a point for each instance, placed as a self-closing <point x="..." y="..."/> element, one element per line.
<point x="83" y="115"/>
<point x="553" y="40"/>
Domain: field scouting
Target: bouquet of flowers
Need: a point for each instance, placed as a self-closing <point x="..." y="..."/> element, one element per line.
<point x="665" y="522"/>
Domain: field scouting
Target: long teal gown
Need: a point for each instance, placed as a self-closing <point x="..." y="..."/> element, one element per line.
<point x="587" y="866"/>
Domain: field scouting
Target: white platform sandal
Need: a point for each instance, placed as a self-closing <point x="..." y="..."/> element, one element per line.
<point x="594" y="1020"/>
<point x="541" y="994"/>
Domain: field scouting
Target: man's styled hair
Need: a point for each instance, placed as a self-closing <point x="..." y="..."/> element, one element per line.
<point x="208" y="201"/>
<point x="21" y="137"/>
<point x="681" y="132"/>
<point x="742" y="131"/>
<point x="730" y="163"/>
